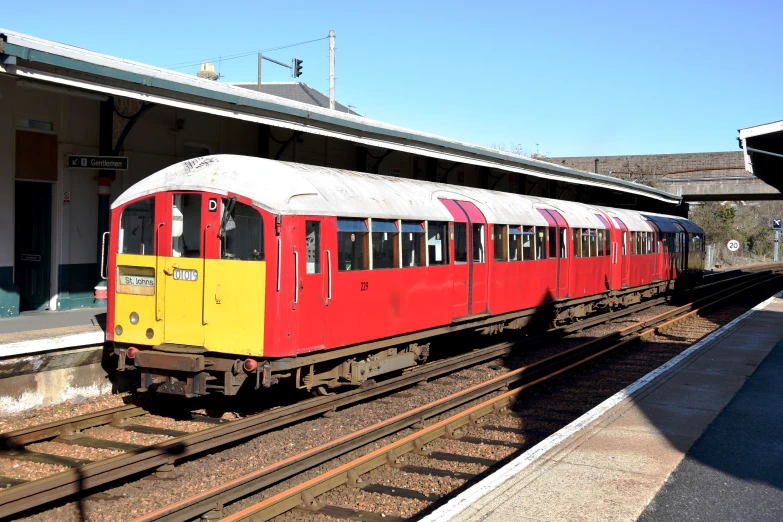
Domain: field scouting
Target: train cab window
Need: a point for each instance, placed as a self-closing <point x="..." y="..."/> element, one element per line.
<point x="186" y="225"/>
<point x="601" y="242"/>
<point x="241" y="232"/>
<point x="528" y="243"/>
<point x="385" y="247"/>
<point x="438" y="243"/>
<point x="137" y="228"/>
<point x="479" y="252"/>
<point x="500" y="242"/>
<point x="514" y="243"/>
<point x="541" y="242"/>
<point x="313" y="247"/>
<point x="563" y="243"/>
<point x="413" y="244"/>
<point x="552" y="242"/>
<point x="353" y="242"/>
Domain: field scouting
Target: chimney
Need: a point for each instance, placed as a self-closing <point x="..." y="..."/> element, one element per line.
<point x="207" y="72"/>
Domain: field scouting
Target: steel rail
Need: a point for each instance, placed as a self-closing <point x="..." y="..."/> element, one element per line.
<point x="215" y="498"/>
<point x="305" y="494"/>
<point x="33" y="494"/>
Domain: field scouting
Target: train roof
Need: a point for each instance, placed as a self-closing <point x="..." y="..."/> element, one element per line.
<point x="293" y="188"/>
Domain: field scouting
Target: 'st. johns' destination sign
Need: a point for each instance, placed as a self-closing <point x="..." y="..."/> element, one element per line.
<point x="98" y="162"/>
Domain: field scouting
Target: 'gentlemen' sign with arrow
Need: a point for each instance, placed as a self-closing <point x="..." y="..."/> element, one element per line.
<point x="98" y="162"/>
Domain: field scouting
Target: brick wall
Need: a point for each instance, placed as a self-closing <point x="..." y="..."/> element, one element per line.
<point x="700" y="165"/>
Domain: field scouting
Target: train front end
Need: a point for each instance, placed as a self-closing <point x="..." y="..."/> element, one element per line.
<point x="186" y="290"/>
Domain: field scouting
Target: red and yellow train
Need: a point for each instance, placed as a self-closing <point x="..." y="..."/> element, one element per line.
<point x="229" y="272"/>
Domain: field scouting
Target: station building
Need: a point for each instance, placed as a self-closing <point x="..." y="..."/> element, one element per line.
<point x="58" y="102"/>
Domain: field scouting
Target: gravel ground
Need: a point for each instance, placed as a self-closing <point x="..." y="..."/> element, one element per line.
<point x="594" y="382"/>
<point x="72" y="408"/>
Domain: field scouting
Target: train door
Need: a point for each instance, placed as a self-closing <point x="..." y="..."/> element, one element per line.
<point x="558" y="249"/>
<point x="234" y="276"/>
<point x="623" y="253"/>
<point x="183" y="270"/>
<point x="679" y="250"/>
<point x="314" y="290"/>
<point x="470" y="262"/>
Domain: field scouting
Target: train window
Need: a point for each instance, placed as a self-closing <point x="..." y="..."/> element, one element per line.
<point x="385" y="247"/>
<point x="541" y="242"/>
<point x="528" y="243"/>
<point x="650" y="241"/>
<point x="552" y="242"/>
<point x="563" y="243"/>
<point x="607" y="237"/>
<point x="137" y="228"/>
<point x="353" y="243"/>
<point x="313" y="246"/>
<point x="600" y="242"/>
<point x="413" y="244"/>
<point x="514" y="243"/>
<point x="500" y="242"/>
<point x="593" y="243"/>
<point x="186" y="225"/>
<point x="625" y="243"/>
<point x="585" y="242"/>
<point x="438" y="243"/>
<point x="460" y="242"/>
<point x="479" y="254"/>
<point x="576" y="234"/>
<point x="241" y="232"/>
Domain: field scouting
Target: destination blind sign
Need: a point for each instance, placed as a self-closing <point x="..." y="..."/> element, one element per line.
<point x="98" y="162"/>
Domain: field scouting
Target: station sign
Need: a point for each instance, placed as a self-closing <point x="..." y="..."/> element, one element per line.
<point x="733" y="245"/>
<point x="98" y="162"/>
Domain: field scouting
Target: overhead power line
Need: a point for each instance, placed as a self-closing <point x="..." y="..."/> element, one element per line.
<point x="183" y="65"/>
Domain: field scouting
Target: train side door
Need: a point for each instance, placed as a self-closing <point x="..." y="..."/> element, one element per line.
<point x="623" y="253"/>
<point x="234" y="275"/>
<point x="470" y="264"/>
<point x="314" y="268"/>
<point x="558" y="241"/>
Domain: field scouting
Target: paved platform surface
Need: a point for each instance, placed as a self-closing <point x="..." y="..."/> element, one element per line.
<point x="735" y="470"/>
<point x="29" y="321"/>
<point x="612" y="462"/>
<point x="35" y="332"/>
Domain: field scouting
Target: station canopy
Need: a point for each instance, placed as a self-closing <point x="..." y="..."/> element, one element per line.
<point x="763" y="149"/>
<point x="76" y="70"/>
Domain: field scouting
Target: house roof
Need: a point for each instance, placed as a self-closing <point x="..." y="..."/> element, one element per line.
<point x="297" y="91"/>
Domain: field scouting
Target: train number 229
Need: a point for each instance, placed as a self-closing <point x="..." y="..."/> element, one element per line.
<point x="364" y="285"/>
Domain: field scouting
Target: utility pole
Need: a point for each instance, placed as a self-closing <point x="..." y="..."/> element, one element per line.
<point x="331" y="69"/>
<point x="259" y="72"/>
<point x="777" y="244"/>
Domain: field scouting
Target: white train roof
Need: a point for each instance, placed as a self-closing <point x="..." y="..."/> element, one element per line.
<point x="293" y="188"/>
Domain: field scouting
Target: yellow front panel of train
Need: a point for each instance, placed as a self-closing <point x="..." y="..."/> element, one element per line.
<point x="183" y="300"/>
<point x="135" y="300"/>
<point x="234" y="297"/>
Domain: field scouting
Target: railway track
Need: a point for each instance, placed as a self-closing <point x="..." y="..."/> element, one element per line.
<point x="468" y="426"/>
<point x="88" y="476"/>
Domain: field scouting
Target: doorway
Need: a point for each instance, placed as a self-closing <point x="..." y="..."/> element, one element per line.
<point x="32" y="244"/>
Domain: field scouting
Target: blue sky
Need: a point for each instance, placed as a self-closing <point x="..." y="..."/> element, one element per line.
<point x="563" y="78"/>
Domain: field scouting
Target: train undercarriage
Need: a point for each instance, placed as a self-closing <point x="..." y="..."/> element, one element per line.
<point x="191" y="371"/>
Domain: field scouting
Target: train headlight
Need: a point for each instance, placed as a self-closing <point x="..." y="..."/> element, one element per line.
<point x="118" y="330"/>
<point x="150" y="333"/>
<point x="134" y="318"/>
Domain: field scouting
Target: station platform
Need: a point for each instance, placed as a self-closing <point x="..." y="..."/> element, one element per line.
<point x="33" y="332"/>
<point x="699" y="438"/>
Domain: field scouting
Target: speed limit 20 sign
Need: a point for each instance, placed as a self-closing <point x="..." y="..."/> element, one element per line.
<point x="733" y="245"/>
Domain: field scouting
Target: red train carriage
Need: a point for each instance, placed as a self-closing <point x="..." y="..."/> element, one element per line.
<point x="228" y="271"/>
